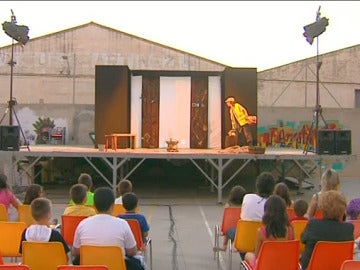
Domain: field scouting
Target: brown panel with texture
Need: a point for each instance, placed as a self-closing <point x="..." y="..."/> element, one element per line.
<point x="199" y="112"/>
<point x="150" y="111"/>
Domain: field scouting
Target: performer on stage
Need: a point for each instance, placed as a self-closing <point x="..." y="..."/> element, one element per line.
<point x="239" y="120"/>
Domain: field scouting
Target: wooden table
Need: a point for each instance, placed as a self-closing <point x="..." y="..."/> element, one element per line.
<point x="113" y="140"/>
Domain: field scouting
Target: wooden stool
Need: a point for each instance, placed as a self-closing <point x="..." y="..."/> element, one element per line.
<point x="113" y="140"/>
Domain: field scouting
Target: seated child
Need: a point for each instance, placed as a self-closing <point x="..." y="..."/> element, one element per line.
<point x="124" y="186"/>
<point x="78" y="196"/>
<point x="41" y="231"/>
<point x="86" y="180"/>
<point x="300" y="209"/>
<point x="130" y="203"/>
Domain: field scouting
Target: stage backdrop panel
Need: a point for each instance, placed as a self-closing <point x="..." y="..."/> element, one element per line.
<point x="199" y="112"/>
<point x="112" y="101"/>
<point x="136" y="107"/>
<point x="174" y="118"/>
<point x="214" y="108"/>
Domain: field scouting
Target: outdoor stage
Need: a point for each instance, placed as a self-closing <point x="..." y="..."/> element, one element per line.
<point x="212" y="163"/>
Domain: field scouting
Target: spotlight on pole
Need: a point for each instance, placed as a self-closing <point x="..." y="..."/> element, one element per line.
<point x="17" y="32"/>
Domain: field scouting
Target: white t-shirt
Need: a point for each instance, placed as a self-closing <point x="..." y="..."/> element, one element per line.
<point x="118" y="200"/>
<point x="106" y="230"/>
<point x="252" y="207"/>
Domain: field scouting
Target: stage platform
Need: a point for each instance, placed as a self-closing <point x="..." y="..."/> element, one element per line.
<point x="212" y="163"/>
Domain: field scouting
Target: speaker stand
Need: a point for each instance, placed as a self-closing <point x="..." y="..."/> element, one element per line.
<point x="11" y="104"/>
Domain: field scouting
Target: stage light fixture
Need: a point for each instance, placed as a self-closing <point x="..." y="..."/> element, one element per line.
<point x="315" y="29"/>
<point x="17" y="32"/>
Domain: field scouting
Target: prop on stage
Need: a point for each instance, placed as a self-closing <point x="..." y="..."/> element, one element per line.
<point x="172" y="145"/>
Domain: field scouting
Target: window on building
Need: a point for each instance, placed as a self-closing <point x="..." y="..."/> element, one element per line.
<point x="357" y="98"/>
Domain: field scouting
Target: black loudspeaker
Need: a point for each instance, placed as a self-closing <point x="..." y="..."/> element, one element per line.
<point x="343" y="142"/>
<point x="325" y="142"/>
<point x="10" y="138"/>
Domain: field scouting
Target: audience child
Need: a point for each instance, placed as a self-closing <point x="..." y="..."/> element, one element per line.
<point x="41" y="231"/>
<point x="33" y="191"/>
<point x="235" y="199"/>
<point x="282" y="190"/>
<point x="130" y="203"/>
<point x="300" y="209"/>
<point x="353" y="209"/>
<point x="86" y="180"/>
<point x="124" y="186"/>
<point x="330" y="228"/>
<point x="276" y="227"/>
<point x="7" y="197"/>
<point x="105" y="229"/>
<point x="78" y="194"/>
<point x="329" y="181"/>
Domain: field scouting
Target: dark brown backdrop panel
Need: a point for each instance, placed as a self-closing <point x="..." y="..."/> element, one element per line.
<point x="199" y="112"/>
<point x="150" y="111"/>
<point x="112" y="101"/>
<point x="240" y="83"/>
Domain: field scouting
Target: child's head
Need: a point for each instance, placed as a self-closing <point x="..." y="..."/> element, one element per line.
<point x="124" y="186"/>
<point x="78" y="193"/>
<point x="265" y="183"/>
<point x="236" y="195"/>
<point x="300" y="207"/>
<point x="104" y="199"/>
<point x="275" y="217"/>
<point x="3" y="181"/>
<point x="130" y="201"/>
<point x="86" y="180"/>
<point x="33" y="191"/>
<point x="41" y="209"/>
<point x="282" y="190"/>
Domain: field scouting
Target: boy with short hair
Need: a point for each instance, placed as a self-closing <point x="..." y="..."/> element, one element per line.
<point x="86" y="180"/>
<point x="78" y="194"/>
<point x="124" y="186"/>
<point x="41" y="230"/>
<point x="300" y="209"/>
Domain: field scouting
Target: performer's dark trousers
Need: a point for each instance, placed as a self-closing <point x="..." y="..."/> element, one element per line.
<point x="247" y="133"/>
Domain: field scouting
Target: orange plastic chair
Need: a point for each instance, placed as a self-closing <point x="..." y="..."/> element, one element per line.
<point x="136" y="230"/>
<point x="10" y="238"/>
<point x="350" y="265"/>
<point x="14" y="267"/>
<point x="277" y="255"/>
<point x="330" y="255"/>
<point x="356" y="224"/>
<point x="43" y="255"/>
<point x="119" y="209"/>
<point x="3" y="213"/>
<point x="24" y="214"/>
<point x="291" y="212"/>
<point x="68" y="227"/>
<point x="111" y="256"/>
<point x="230" y="217"/>
<point x="82" y="267"/>
<point x="318" y="214"/>
<point x="245" y="237"/>
<point x="299" y="226"/>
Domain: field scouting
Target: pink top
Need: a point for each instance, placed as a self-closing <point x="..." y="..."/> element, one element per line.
<point x="6" y="197"/>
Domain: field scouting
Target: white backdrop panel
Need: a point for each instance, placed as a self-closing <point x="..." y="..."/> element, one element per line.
<point x="174" y="122"/>
<point x="214" y="112"/>
<point x="136" y="108"/>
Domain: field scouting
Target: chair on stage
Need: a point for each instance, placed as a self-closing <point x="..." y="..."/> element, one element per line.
<point x="277" y="255"/>
<point x="140" y="244"/>
<point x="111" y="256"/>
<point x="3" y="213"/>
<point x="68" y="227"/>
<point x="330" y="255"/>
<point x="10" y="238"/>
<point x="299" y="226"/>
<point x="24" y="214"/>
<point x="82" y="267"/>
<point x="230" y="217"/>
<point x="245" y="237"/>
<point x="43" y="255"/>
<point x="350" y="265"/>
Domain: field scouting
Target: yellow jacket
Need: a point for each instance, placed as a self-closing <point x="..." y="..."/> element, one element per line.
<point x="238" y="115"/>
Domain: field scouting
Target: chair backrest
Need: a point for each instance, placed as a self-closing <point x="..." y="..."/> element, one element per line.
<point x="279" y="255"/>
<point x="118" y="210"/>
<point x="231" y="215"/>
<point x="43" y="255"/>
<point x="318" y="214"/>
<point x="136" y="230"/>
<point x="356" y="224"/>
<point x="245" y="236"/>
<point x="291" y="212"/>
<point x="68" y="227"/>
<point x="24" y="214"/>
<point x="111" y="256"/>
<point x="330" y="255"/>
<point x="82" y="267"/>
<point x="10" y="238"/>
<point x="299" y="226"/>
<point x="14" y="267"/>
<point x="350" y="265"/>
<point x="3" y="213"/>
